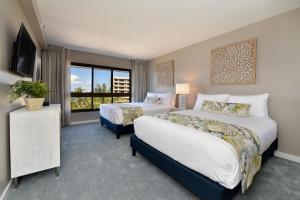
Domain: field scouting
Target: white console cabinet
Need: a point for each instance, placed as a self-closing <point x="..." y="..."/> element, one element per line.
<point x="34" y="141"/>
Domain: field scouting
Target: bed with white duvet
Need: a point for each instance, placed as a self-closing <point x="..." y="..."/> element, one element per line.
<point x="202" y="152"/>
<point x="205" y="153"/>
<point x="112" y="115"/>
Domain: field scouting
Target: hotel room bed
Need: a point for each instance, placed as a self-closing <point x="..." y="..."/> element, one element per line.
<point x="112" y="115"/>
<point x="113" y="112"/>
<point x="203" y="163"/>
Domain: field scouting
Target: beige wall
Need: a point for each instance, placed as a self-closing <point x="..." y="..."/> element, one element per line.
<point x="11" y="16"/>
<point x="96" y="59"/>
<point x="278" y="71"/>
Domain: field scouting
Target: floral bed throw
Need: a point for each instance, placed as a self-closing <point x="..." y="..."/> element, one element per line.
<point x="245" y="142"/>
<point x="130" y="113"/>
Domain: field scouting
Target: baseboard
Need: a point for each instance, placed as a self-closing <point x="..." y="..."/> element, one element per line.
<point x="5" y="190"/>
<point x="84" y="122"/>
<point x="287" y="156"/>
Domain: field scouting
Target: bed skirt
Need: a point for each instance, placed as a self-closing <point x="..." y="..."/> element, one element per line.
<point x="116" y="128"/>
<point x="203" y="187"/>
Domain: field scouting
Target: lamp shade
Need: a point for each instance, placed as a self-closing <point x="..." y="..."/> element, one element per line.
<point x="182" y="88"/>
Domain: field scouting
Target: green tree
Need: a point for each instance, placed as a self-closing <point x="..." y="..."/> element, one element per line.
<point x="101" y="88"/>
<point x="79" y="90"/>
<point x="80" y="102"/>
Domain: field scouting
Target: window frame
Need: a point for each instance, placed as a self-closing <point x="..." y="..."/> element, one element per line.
<point x="92" y="95"/>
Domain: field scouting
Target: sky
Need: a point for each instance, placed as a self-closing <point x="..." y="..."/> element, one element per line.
<point x="82" y="77"/>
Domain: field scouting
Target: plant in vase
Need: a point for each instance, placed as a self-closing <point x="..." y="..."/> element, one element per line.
<point x="33" y="92"/>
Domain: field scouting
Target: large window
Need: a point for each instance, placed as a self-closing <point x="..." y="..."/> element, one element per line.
<point x="93" y="85"/>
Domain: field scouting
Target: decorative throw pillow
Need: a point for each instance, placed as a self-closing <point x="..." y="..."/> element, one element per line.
<point x="259" y="103"/>
<point x="212" y="106"/>
<point x="209" y="97"/>
<point x="240" y="109"/>
<point x="152" y="100"/>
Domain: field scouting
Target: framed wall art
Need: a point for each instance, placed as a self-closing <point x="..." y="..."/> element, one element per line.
<point x="165" y="74"/>
<point x="234" y="64"/>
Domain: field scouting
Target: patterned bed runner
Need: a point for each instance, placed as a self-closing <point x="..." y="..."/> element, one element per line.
<point x="130" y="113"/>
<point x="245" y="142"/>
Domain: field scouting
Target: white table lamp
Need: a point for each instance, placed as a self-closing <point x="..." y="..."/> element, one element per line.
<point x="182" y="89"/>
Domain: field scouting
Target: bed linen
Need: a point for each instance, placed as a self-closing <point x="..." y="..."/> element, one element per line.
<point x="130" y="113"/>
<point x="204" y="153"/>
<point x="114" y="113"/>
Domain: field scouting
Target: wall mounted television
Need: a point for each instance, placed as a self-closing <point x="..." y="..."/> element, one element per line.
<point x="24" y="52"/>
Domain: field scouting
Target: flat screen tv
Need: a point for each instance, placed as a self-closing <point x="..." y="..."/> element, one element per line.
<point x="24" y="54"/>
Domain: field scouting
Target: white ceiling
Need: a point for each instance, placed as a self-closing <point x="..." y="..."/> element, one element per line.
<point x="144" y="29"/>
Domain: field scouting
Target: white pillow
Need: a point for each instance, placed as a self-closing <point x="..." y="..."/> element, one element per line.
<point x="165" y="98"/>
<point x="259" y="103"/>
<point x="209" y="97"/>
<point x="151" y="94"/>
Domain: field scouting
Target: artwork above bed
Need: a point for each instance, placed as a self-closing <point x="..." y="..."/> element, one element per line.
<point x="234" y="64"/>
<point x="165" y="74"/>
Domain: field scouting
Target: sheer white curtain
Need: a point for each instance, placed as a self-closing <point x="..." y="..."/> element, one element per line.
<point x="55" y="72"/>
<point x="139" y="80"/>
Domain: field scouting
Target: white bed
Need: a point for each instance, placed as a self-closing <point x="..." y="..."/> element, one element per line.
<point x="202" y="152"/>
<point x="114" y="114"/>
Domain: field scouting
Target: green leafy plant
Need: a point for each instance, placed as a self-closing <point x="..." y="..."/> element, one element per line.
<point x="37" y="89"/>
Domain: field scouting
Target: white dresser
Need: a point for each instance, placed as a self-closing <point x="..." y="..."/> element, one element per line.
<point x="34" y="141"/>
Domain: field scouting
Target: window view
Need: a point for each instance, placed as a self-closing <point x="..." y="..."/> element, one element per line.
<point x="78" y="103"/>
<point x="81" y="83"/>
<point x="121" y="99"/>
<point x="121" y="82"/>
<point x="101" y="100"/>
<point x="92" y="86"/>
<point x="81" y="80"/>
<point x="102" y="81"/>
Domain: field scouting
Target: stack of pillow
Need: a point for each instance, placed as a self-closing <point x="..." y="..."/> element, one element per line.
<point x="160" y="98"/>
<point x="244" y="106"/>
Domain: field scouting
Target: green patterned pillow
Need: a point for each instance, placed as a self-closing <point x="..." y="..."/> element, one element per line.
<point x="239" y="109"/>
<point x="212" y="106"/>
<point x="152" y="100"/>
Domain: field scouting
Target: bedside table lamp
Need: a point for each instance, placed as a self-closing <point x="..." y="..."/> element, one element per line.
<point x="182" y="89"/>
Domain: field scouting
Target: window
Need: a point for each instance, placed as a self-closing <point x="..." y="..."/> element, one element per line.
<point x="93" y="85"/>
<point x="81" y="80"/>
<point x="102" y="81"/>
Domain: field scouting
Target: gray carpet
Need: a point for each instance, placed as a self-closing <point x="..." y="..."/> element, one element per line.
<point x="97" y="166"/>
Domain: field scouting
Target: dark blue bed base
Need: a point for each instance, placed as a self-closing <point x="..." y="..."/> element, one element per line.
<point x="117" y="128"/>
<point x="201" y="186"/>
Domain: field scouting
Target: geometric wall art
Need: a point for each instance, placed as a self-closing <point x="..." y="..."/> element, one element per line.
<point x="234" y="64"/>
<point x="165" y="74"/>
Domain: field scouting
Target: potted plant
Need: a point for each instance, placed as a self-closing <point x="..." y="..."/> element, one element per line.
<point x="33" y="92"/>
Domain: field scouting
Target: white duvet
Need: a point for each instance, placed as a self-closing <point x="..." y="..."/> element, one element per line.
<point x="114" y="114"/>
<point x="202" y="152"/>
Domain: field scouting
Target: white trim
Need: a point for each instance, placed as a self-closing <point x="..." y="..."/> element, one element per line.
<point x="5" y="190"/>
<point x="287" y="156"/>
<point x="84" y="122"/>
